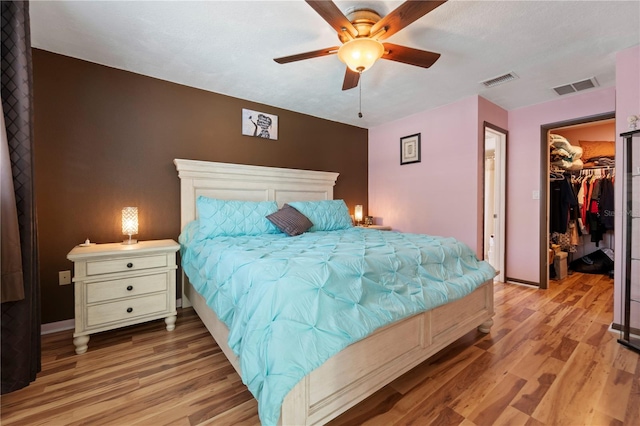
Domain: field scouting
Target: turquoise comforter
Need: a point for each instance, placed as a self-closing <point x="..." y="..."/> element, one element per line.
<point x="290" y="303"/>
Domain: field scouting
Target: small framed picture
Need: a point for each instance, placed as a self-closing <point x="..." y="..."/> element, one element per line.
<point x="259" y="124"/>
<point x="410" y="149"/>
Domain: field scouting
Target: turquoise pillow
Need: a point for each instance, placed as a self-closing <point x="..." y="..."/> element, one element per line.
<point x="233" y="218"/>
<point x="326" y="215"/>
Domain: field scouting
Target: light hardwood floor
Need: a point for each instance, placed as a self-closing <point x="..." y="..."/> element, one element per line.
<point x="549" y="360"/>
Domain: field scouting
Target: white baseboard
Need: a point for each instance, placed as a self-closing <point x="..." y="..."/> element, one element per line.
<point x="54" y="327"/>
<point x="528" y="285"/>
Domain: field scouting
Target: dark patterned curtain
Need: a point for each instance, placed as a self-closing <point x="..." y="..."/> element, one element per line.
<point x="20" y="336"/>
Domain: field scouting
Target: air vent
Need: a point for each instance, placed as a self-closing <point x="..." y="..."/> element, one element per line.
<point x="585" y="84"/>
<point x="577" y="86"/>
<point x="564" y="90"/>
<point x="499" y="80"/>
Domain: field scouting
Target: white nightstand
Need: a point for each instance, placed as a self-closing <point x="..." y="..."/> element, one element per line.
<point x="378" y="227"/>
<point x="117" y="285"/>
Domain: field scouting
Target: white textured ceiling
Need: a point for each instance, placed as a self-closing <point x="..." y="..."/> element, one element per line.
<point x="228" y="47"/>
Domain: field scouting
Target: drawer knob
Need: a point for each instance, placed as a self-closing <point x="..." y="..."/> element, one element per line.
<point x="129" y="265"/>
<point x="129" y="287"/>
<point x="129" y="310"/>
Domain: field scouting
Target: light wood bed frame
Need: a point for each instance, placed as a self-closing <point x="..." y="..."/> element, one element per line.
<point x="361" y="368"/>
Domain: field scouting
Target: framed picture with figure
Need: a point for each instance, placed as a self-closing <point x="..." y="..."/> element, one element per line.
<point x="410" y="149"/>
<point x="259" y="124"/>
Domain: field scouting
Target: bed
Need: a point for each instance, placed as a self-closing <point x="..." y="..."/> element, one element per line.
<point x="361" y="368"/>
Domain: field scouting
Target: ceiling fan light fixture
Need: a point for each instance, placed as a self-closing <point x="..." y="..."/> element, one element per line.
<point x="361" y="53"/>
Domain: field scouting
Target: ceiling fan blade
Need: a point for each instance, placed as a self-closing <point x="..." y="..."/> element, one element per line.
<point x="351" y="79"/>
<point x="330" y="13"/>
<point x="409" y="55"/>
<point x="404" y="15"/>
<point x="307" y="55"/>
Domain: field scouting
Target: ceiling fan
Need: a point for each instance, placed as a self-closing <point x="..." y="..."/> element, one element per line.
<point x="360" y="33"/>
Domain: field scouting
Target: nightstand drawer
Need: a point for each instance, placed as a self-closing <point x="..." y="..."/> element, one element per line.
<point x="126" y="264"/>
<point x="126" y="309"/>
<point x="103" y="291"/>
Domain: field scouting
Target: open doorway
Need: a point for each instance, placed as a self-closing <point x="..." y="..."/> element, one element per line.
<point x="495" y="153"/>
<point x="560" y="245"/>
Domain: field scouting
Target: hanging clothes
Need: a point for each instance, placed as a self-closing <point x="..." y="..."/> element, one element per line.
<point x="580" y="203"/>
<point x="607" y="207"/>
<point x="597" y="209"/>
<point x="562" y="200"/>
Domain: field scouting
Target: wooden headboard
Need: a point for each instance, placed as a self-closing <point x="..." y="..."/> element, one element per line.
<point x="245" y="183"/>
<point x="248" y="183"/>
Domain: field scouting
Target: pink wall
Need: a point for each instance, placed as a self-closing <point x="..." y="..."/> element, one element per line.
<point x="523" y="159"/>
<point x="441" y="195"/>
<point x="627" y="103"/>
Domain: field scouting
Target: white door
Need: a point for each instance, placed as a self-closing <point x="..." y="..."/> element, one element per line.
<point x="494" y="199"/>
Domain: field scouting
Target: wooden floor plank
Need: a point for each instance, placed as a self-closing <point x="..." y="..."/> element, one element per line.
<point x="632" y="413"/>
<point x="512" y="417"/>
<point x="550" y="359"/>
<point x="500" y="397"/>
<point x="615" y="396"/>
<point x="573" y="395"/>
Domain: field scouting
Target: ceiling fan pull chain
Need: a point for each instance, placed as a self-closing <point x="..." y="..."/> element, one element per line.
<point x="360" y="109"/>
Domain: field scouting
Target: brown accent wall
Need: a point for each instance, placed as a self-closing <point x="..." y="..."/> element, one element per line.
<point x="106" y="139"/>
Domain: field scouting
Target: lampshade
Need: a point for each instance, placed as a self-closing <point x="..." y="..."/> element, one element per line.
<point x="361" y="53"/>
<point x="358" y="213"/>
<point x="129" y="223"/>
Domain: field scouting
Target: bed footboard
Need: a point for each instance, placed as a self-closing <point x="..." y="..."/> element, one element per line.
<point x="366" y="366"/>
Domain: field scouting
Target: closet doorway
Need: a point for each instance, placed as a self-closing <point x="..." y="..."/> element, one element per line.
<point x="584" y="133"/>
<point x="495" y="153"/>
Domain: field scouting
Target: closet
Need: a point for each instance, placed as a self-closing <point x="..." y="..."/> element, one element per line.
<point x="580" y="198"/>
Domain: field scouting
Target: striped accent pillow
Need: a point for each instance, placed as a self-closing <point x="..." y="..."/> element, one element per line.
<point x="290" y="221"/>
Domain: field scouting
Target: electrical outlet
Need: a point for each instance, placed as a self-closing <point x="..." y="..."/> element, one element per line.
<point x="535" y="195"/>
<point x="64" y="277"/>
